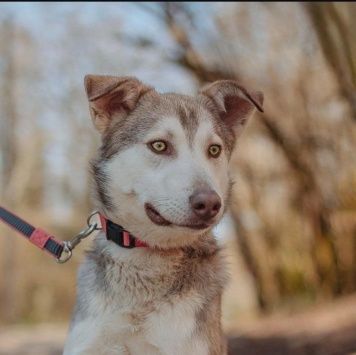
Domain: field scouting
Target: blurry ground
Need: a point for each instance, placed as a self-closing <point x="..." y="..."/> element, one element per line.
<point x="44" y="339"/>
<point x="326" y="330"/>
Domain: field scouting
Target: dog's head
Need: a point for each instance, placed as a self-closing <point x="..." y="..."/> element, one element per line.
<point x="162" y="169"/>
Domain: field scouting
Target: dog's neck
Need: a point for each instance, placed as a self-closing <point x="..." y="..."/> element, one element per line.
<point x="119" y="235"/>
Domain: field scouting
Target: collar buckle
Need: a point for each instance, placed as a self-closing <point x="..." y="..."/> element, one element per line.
<point x="119" y="235"/>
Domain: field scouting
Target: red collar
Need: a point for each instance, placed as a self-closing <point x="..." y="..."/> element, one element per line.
<point x="119" y="235"/>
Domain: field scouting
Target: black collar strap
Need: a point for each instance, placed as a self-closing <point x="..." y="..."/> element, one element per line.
<point x="119" y="235"/>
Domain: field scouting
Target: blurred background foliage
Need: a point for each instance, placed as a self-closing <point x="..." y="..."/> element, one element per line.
<point x="292" y="226"/>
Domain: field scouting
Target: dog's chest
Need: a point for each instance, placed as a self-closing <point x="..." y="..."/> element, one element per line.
<point x="146" y="302"/>
<point x="144" y="287"/>
<point x="148" y="309"/>
<point x="146" y="329"/>
<point x="158" y="295"/>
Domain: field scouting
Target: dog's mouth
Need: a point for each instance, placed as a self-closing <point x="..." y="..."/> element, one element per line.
<point x="157" y="219"/>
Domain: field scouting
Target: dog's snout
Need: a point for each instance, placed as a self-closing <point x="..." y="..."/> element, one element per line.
<point x="205" y="204"/>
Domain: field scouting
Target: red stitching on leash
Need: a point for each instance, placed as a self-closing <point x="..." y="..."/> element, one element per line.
<point x="39" y="237"/>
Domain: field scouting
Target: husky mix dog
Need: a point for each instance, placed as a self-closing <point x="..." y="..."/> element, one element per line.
<point x="153" y="280"/>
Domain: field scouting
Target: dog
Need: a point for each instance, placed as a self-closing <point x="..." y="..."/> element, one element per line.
<point x="152" y="282"/>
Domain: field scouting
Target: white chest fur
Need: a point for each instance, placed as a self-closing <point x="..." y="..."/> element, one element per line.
<point x="139" y="302"/>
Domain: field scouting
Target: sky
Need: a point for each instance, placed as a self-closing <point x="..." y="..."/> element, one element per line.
<point x="47" y="21"/>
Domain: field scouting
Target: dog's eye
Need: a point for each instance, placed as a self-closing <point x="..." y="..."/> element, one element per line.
<point x="214" y="150"/>
<point x="159" y="146"/>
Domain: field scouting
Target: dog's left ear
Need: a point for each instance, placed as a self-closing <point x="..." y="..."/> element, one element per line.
<point x="234" y="103"/>
<point x="111" y="98"/>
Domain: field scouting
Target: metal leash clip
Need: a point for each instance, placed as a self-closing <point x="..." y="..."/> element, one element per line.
<point x="70" y="245"/>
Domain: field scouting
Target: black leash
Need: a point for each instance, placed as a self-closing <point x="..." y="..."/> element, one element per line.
<point x="44" y="240"/>
<point x="37" y="236"/>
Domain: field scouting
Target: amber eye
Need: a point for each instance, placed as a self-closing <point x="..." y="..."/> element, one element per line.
<point x="214" y="150"/>
<point x="159" y="146"/>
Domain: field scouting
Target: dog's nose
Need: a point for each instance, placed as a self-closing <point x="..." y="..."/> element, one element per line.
<point x="205" y="204"/>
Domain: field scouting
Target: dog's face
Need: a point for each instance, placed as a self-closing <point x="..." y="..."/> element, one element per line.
<point x="162" y="170"/>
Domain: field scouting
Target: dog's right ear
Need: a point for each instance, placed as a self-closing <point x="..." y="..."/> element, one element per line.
<point x="112" y="97"/>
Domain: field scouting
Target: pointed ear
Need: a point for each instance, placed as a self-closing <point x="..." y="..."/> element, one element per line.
<point x="234" y="103"/>
<point x="112" y="97"/>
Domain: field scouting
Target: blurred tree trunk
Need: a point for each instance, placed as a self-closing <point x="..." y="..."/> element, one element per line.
<point x="250" y="262"/>
<point x="337" y="40"/>
<point x="312" y="208"/>
<point x="189" y="58"/>
<point x="9" y="157"/>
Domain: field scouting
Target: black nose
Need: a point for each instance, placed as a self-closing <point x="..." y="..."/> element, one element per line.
<point x="205" y="203"/>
